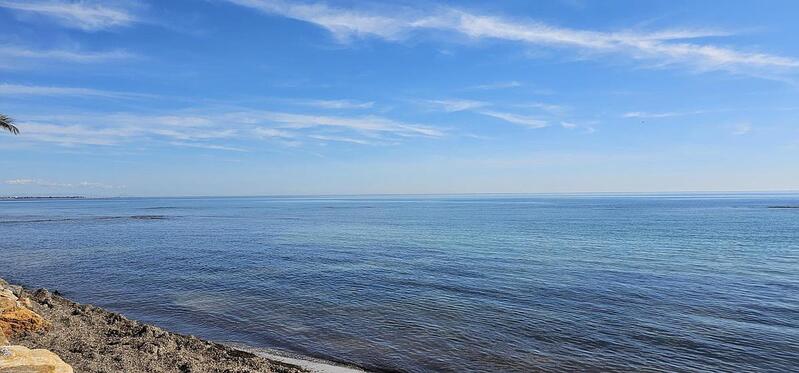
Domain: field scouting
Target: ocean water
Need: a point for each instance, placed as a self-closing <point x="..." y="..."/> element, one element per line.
<point x="690" y="283"/>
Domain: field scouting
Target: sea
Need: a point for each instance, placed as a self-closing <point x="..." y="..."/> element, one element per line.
<point x="438" y="283"/>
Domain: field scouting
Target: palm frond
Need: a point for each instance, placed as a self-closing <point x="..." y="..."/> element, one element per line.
<point x="7" y="123"/>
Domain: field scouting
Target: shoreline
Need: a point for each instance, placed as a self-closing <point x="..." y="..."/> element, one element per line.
<point x="92" y="339"/>
<point x="312" y="364"/>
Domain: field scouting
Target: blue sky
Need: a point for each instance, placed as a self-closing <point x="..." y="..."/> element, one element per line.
<point x="255" y="97"/>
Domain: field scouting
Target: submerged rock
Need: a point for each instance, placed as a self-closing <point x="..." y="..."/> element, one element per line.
<point x="20" y="359"/>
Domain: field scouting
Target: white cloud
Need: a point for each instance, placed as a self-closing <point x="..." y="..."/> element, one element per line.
<point x="342" y="23"/>
<point x="73" y="134"/>
<point x="338" y="104"/>
<point x="523" y="120"/>
<point x="550" y="108"/>
<point x="368" y="123"/>
<point x="341" y="139"/>
<point x="497" y="85"/>
<point x="568" y="125"/>
<point x="32" y="90"/>
<point x="456" y="105"/>
<point x="13" y="56"/>
<point x="114" y="129"/>
<point x="84" y="15"/>
<point x="665" y="47"/>
<point x="266" y="133"/>
<point x="50" y="184"/>
<point x="742" y="129"/>
<point x="641" y="114"/>
<point x="667" y="114"/>
<point x="209" y="128"/>
<point x="208" y="146"/>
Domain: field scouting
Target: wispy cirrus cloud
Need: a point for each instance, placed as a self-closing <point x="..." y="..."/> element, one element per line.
<point x="337" y="104"/>
<point x="643" y="114"/>
<point x="488" y="109"/>
<point x="17" y="57"/>
<point x="73" y="134"/>
<point x="83" y="15"/>
<point x="664" y="114"/>
<point x="368" y="123"/>
<point x="219" y="130"/>
<point x="741" y="129"/>
<point x="35" y="90"/>
<point x="523" y="120"/>
<point x="547" y="107"/>
<point x="453" y="105"/>
<point x="496" y="85"/>
<point x="341" y="139"/>
<point x="208" y="146"/>
<point x="673" y="47"/>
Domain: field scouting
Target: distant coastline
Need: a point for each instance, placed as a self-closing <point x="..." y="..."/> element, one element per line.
<point x="14" y="198"/>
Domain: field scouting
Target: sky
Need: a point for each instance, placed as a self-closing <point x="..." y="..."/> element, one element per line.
<point x="261" y="97"/>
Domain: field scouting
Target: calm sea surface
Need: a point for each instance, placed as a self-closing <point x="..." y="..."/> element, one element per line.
<point x="461" y="283"/>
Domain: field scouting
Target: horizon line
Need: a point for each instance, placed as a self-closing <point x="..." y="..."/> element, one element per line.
<point x="585" y="193"/>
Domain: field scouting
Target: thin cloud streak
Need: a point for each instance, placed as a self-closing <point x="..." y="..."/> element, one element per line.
<point x="360" y="123"/>
<point x="9" y="52"/>
<point x="666" y="47"/>
<point x="455" y="105"/>
<point x="208" y="146"/>
<point x="337" y="104"/>
<point x="742" y="129"/>
<point x="200" y="129"/>
<point x="522" y="120"/>
<point x="497" y="85"/>
<point x="668" y="114"/>
<point x="84" y="15"/>
<point x="32" y="90"/>
<point x="341" y="139"/>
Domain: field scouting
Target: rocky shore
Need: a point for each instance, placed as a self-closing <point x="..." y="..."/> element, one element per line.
<point x="42" y="332"/>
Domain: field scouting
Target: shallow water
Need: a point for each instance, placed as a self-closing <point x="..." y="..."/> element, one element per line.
<point x="438" y="283"/>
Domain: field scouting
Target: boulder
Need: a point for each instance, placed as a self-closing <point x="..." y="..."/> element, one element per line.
<point x="7" y="299"/>
<point x="20" y="320"/>
<point x="20" y="359"/>
<point x="15" y="317"/>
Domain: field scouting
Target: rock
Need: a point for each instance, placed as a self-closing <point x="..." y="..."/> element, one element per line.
<point x="7" y="299"/>
<point x="15" y="318"/>
<point x="43" y="297"/>
<point x="20" y="359"/>
<point x="18" y="320"/>
<point x="149" y="348"/>
<point x="16" y="289"/>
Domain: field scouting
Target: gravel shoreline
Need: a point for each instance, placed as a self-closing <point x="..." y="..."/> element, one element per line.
<point x="94" y="340"/>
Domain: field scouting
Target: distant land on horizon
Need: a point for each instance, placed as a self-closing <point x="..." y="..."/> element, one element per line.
<point x="41" y="197"/>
